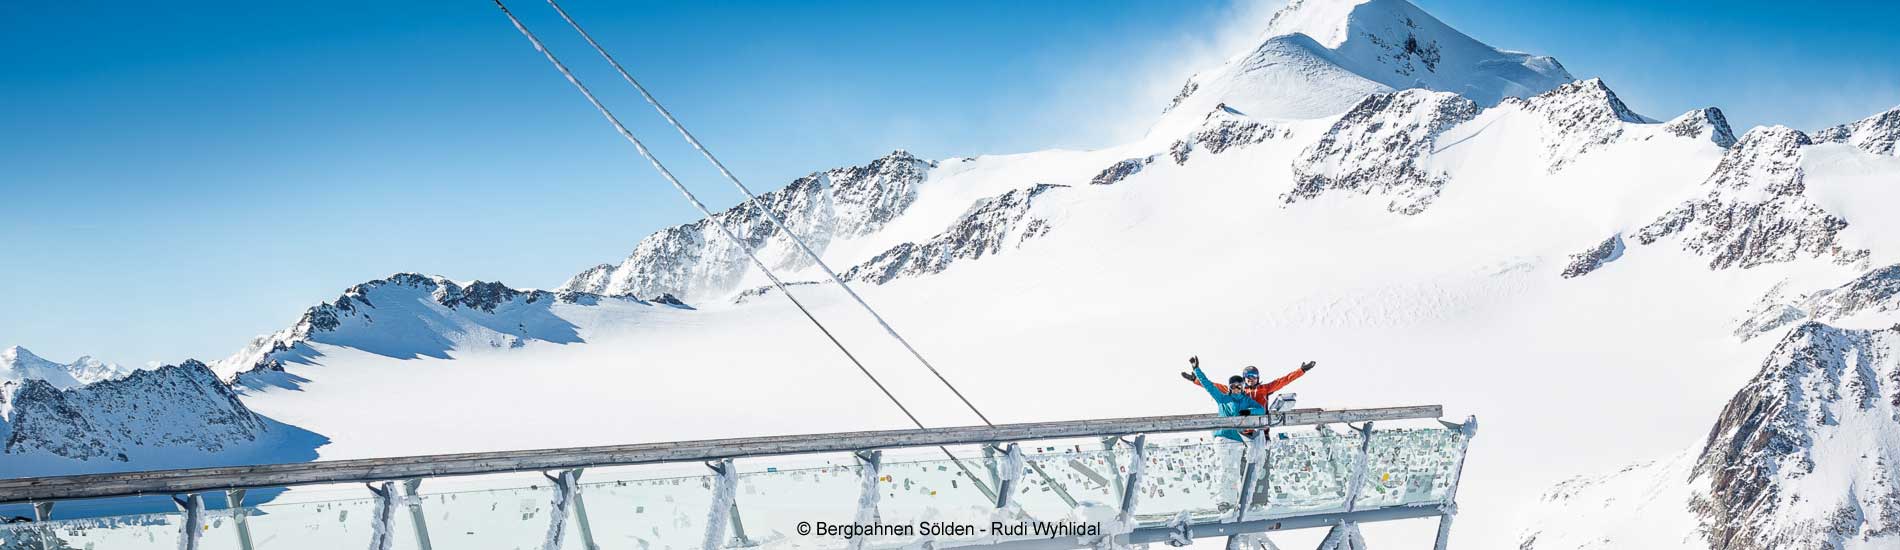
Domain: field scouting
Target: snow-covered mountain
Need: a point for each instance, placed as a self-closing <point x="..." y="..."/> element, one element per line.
<point x="693" y="261"/>
<point x="1320" y="57"/>
<point x="1806" y="455"/>
<point x="170" y="416"/>
<point x="423" y="316"/>
<point x="17" y="365"/>
<point x="1878" y="134"/>
<point x="1433" y="219"/>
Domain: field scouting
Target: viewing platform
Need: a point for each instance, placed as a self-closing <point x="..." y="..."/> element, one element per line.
<point x="1047" y="485"/>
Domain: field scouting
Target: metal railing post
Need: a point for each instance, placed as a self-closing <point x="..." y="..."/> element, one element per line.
<point x="1250" y="477"/>
<point x="725" y="506"/>
<point x="1114" y="468"/>
<point x="192" y="528"/>
<point x="413" y="497"/>
<point x="989" y="463"/>
<point x="871" y="464"/>
<point x="566" y="489"/>
<point x="381" y="537"/>
<point x="42" y="513"/>
<point x="235" y="498"/>
<point x="1450" y="505"/>
<point x="1131" y="489"/>
<point x="1010" y="474"/>
<point x="580" y="514"/>
<point x="1361" y="464"/>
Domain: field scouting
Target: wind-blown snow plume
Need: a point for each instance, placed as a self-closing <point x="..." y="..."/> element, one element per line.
<point x="1320" y="57"/>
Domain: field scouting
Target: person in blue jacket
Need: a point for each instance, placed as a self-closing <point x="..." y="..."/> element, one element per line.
<point x="1232" y="399"/>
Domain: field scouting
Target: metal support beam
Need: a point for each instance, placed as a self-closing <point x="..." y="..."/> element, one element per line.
<point x="725" y="507"/>
<point x="989" y="463"/>
<point x="1361" y="464"/>
<point x="566" y="487"/>
<point x="413" y="498"/>
<point x="978" y="482"/>
<point x="1010" y="474"/>
<point x="738" y="528"/>
<point x="1061" y="492"/>
<point x="1131" y="489"/>
<point x="580" y="515"/>
<point x="235" y="499"/>
<point x="1249" y="478"/>
<point x="381" y="536"/>
<point x="1180" y="530"/>
<point x="1469" y="429"/>
<point x="1128" y="490"/>
<point x="1162" y="533"/>
<point x="1344" y="536"/>
<point x="1114" y="468"/>
<point x="192" y="528"/>
<point x="870" y="470"/>
<point x="42" y="513"/>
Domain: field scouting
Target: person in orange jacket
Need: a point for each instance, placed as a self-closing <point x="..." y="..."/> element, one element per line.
<point x="1251" y="384"/>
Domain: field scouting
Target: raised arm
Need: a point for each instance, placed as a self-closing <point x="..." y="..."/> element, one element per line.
<point x="1197" y="377"/>
<point x="1282" y="382"/>
<point x="1215" y="389"/>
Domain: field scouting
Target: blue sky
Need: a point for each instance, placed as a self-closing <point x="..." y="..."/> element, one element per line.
<point x="178" y="177"/>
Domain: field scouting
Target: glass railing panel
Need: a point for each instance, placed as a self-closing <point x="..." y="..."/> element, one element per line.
<point x="1199" y="477"/>
<point x="773" y="502"/>
<point x="1409" y="467"/>
<point x="932" y="491"/>
<point x="502" y="518"/>
<point x="339" y="523"/>
<point x="130" y="531"/>
<point x="1085" y="476"/>
<point x="649" y="514"/>
<point x="1307" y="472"/>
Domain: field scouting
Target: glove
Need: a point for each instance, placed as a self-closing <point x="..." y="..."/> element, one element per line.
<point x="1189" y="376"/>
<point x="1307" y="366"/>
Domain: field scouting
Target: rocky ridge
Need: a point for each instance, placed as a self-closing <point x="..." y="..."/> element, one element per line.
<point x="1379" y="147"/>
<point x="695" y="261"/>
<point x="432" y="314"/>
<point x="172" y="407"/>
<point x="1754" y="211"/>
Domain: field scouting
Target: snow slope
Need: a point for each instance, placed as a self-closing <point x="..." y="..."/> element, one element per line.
<point x="1569" y="270"/>
<point x="1806" y="455"/>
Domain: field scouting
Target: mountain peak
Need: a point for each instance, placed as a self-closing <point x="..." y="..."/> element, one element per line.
<point x="1320" y="57"/>
<point x="1878" y="134"/>
<point x="15" y="355"/>
<point x="17" y="364"/>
